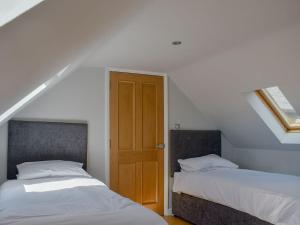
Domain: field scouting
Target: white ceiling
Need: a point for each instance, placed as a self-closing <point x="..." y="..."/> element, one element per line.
<point x="206" y="28"/>
<point x="229" y="48"/>
<point x="10" y="9"/>
<point x="217" y="86"/>
<point x="35" y="46"/>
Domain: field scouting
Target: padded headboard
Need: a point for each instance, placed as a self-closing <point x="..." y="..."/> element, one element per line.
<point x="30" y="141"/>
<point x="192" y="143"/>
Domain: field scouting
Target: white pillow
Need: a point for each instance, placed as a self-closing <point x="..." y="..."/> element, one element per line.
<point x="53" y="168"/>
<point x="205" y="163"/>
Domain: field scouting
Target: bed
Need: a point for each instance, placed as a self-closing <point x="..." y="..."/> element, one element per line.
<point x="69" y="200"/>
<point x="228" y="196"/>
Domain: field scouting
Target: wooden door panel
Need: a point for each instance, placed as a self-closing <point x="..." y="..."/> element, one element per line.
<point x="150" y="183"/>
<point x="126" y="115"/>
<point x="136" y="127"/>
<point x="127" y="180"/>
<point x="149" y="115"/>
<point x="138" y="156"/>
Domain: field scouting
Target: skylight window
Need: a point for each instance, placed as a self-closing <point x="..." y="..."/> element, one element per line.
<point x="281" y="108"/>
<point x="10" y="9"/>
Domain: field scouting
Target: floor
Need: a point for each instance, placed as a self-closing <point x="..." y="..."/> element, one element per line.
<point x="175" y="221"/>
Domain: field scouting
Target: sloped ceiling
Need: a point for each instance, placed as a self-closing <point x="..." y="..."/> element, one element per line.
<point x="54" y="34"/>
<point x="206" y="28"/>
<point x="229" y="48"/>
<point x="218" y="85"/>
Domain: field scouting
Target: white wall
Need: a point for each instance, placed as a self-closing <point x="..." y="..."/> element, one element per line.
<point x="182" y="111"/>
<point x="278" y="161"/>
<point x="3" y="152"/>
<point x="81" y="97"/>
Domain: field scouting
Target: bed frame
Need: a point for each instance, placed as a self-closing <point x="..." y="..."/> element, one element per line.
<point x="187" y="144"/>
<point x="30" y="141"/>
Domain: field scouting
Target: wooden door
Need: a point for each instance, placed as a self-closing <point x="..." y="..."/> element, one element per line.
<point x="137" y="137"/>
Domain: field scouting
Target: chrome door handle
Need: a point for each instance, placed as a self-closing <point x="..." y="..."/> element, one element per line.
<point x="160" y="146"/>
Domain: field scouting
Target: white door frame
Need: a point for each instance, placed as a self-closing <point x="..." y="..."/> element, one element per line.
<point x="166" y="127"/>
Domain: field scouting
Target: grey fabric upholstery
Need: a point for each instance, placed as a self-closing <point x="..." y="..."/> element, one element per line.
<point x="30" y="141"/>
<point x="203" y="212"/>
<point x="192" y="143"/>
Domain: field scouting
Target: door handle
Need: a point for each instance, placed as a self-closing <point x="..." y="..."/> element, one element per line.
<point x="160" y="146"/>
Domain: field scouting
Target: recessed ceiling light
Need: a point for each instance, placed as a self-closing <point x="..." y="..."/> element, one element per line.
<point x="176" y="43"/>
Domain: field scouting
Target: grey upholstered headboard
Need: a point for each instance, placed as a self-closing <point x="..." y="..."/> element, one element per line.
<point x="192" y="143"/>
<point x="30" y="141"/>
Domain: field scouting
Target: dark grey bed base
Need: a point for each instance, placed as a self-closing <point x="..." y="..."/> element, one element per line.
<point x="187" y="144"/>
<point x="203" y="212"/>
<point x="30" y="141"/>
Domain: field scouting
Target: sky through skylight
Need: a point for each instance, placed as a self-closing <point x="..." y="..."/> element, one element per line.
<point x="281" y="106"/>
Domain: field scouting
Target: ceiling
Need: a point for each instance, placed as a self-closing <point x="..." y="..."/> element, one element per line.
<point x="228" y="49"/>
<point x="218" y="85"/>
<point x="205" y="27"/>
<point x="38" y="44"/>
<point x="10" y="9"/>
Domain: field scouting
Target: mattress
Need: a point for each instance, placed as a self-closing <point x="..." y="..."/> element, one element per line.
<point x="69" y="201"/>
<point x="274" y="198"/>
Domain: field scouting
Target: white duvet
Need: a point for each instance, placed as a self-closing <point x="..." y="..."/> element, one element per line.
<point x="69" y="201"/>
<point x="274" y="198"/>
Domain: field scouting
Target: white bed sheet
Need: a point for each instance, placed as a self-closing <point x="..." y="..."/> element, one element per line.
<point x="274" y="198"/>
<point x="69" y="201"/>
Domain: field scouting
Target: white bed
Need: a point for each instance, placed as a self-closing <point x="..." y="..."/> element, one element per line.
<point x="69" y="201"/>
<point x="274" y="198"/>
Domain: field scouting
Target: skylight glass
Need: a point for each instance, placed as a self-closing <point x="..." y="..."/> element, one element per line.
<point x="10" y="9"/>
<point x="281" y="107"/>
